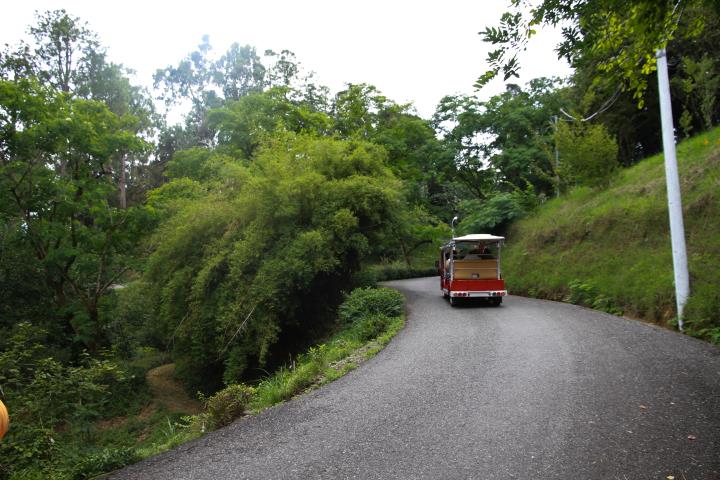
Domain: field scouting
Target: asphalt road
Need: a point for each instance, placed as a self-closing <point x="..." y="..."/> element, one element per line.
<point x="529" y="390"/>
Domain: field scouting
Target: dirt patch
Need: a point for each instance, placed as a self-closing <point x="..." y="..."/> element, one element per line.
<point x="147" y="412"/>
<point x="169" y="392"/>
<point x="111" y="422"/>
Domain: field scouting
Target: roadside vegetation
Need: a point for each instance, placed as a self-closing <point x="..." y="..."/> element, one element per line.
<point x="223" y="248"/>
<point x="609" y="248"/>
<point x="368" y="319"/>
<point x="99" y="434"/>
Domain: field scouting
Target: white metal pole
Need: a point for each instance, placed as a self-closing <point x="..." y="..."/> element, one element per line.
<point x="557" y="159"/>
<point x="677" y="229"/>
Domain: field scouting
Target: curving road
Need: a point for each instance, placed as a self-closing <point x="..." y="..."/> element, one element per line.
<point x="529" y="390"/>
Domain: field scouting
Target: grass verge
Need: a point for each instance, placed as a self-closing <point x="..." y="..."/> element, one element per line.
<point x="610" y="249"/>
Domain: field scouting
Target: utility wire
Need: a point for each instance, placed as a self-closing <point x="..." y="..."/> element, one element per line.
<point x="615" y="96"/>
<point x="603" y="108"/>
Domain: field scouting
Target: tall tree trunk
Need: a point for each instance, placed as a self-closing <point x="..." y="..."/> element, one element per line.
<point x="406" y="254"/>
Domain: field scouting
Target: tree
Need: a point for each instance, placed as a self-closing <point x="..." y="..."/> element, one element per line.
<point x="245" y="123"/>
<point x="356" y="110"/>
<point x="255" y="268"/>
<point x="240" y="72"/>
<point x="55" y="177"/>
<point x="68" y="56"/>
<point x="65" y="50"/>
<point x="238" y="81"/>
<point x="499" y="143"/>
<point x="622" y="36"/>
<point x="588" y="155"/>
<point x="699" y="84"/>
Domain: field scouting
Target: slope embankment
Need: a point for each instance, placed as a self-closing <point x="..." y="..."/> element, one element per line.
<point x="610" y="249"/>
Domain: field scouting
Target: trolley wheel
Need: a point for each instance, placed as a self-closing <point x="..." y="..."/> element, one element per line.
<point x="496" y="301"/>
<point x="454" y="301"/>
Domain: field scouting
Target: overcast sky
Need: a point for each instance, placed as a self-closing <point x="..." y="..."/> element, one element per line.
<point x="413" y="51"/>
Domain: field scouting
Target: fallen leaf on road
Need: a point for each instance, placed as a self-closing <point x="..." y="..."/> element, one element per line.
<point x="670" y="477"/>
<point x="692" y="437"/>
<point x="643" y="407"/>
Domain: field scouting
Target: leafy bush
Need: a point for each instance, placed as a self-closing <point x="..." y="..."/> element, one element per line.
<point x="587" y="295"/>
<point x="372" y="274"/>
<point x="370" y="326"/>
<point x="702" y="312"/>
<point x="130" y="319"/>
<point x="256" y="267"/>
<point x="42" y="394"/>
<point x="320" y="364"/>
<point x="588" y="154"/>
<point x="364" y="302"/>
<point x="227" y="405"/>
<point x="106" y="460"/>
<point x="494" y="213"/>
<point x="22" y="297"/>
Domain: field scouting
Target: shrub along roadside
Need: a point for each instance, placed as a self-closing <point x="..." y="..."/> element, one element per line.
<point x="57" y="409"/>
<point x="369" y="319"/>
<point x="84" y="438"/>
<point x="370" y="275"/>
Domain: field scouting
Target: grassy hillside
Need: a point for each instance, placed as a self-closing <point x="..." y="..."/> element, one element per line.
<point x="610" y="249"/>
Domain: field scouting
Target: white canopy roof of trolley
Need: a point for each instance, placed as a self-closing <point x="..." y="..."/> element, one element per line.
<point x="478" y="237"/>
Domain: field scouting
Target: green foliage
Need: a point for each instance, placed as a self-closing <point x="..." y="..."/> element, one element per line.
<point x="129" y="320"/>
<point x="621" y="37"/>
<point x="321" y="363"/>
<point x="105" y="460"/>
<point x="54" y="192"/>
<point x="512" y="34"/>
<point x="587" y="295"/>
<point x="357" y="110"/>
<point x="285" y="383"/>
<point x="702" y="317"/>
<point x="164" y="199"/>
<point x="370" y="275"/>
<point x="366" y="302"/>
<point x="613" y="245"/>
<point x="238" y="97"/>
<point x="417" y="156"/>
<point x="370" y="326"/>
<point x="227" y="405"/>
<point x="264" y="260"/>
<point x="588" y="155"/>
<point x="496" y="212"/>
<point x="245" y="123"/>
<point x="360" y="337"/>
<point x="198" y="164"/>
<point x="42" y="394"/>
<point x="502" y="144"/>
<point x="66" y="56"/>
<point x="699" y="84"/>
<point x="22" y="297"/>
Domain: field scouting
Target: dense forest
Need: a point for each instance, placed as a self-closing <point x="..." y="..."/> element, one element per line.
<point x="227" y="242"/>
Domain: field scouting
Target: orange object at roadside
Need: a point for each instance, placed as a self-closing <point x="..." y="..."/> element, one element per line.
<point x="4" y="420"/>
